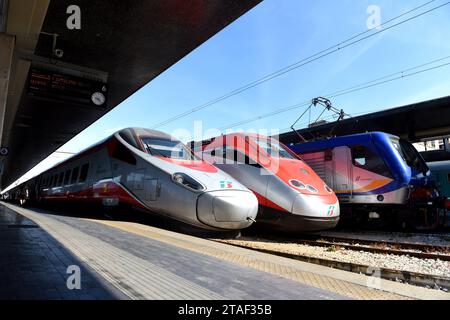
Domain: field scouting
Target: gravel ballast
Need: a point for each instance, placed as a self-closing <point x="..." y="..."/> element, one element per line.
<point x="377" y="260"/>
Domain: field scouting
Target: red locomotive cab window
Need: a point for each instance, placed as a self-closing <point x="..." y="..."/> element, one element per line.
<point x="273" y="148"/>
<point x="238" y="157"/>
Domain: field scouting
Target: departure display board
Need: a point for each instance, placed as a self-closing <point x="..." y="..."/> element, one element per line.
<point x="66" y="88"/>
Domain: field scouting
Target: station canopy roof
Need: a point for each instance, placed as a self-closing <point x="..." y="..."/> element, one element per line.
<point x="121" y="46"/>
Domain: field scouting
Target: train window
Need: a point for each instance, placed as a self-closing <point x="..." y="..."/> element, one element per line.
<point x="274" y="148"/>
<point x="219" y="152"/>
<point x="60" y="179"/>
<point x="74" y="175"/>
<point x="396" y="143"/>
<point x="67" y="177"/>
<point x="230" y="154"/>
<point x="84" y="172"/>
<point x="413" y="157"/>
<point x="128" y="136"/>
<point x="122" y="153"/>
<point x="366" y="159"/>
<point x="54" y="180"/>
<point x="168" y="149"/>
<point x="448" y="177"/>
<point x="238" y="157"/>
<point x="328" y="155"/>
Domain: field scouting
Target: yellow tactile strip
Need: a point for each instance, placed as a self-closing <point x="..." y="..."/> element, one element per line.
<point x="341" y="287"/>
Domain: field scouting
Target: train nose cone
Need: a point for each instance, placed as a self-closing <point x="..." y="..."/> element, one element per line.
<point x="314" y="213"/>
<point x="227" y="209"/>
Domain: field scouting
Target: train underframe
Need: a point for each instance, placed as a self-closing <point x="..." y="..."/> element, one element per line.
<point x="417" y="216"/>
<point x="273" y="220"/>
<point x="117" y="211"/>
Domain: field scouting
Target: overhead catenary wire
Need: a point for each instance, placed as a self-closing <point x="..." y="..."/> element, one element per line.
<point x="319" y="55"/>
<point x="365" y="85"/>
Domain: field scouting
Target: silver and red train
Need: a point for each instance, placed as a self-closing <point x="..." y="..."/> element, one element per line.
<point x="292" y="197"/>
<point x="151" y="171"/>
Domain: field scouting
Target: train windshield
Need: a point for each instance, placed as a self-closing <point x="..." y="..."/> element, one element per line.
<point x="410" y="155"/>
<point x="168" y="149"/>
<point x="274" y="148"/>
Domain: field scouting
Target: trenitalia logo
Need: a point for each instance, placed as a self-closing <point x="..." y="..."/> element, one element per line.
<point x="226" y="184"/>
<point x="330" y="211"/>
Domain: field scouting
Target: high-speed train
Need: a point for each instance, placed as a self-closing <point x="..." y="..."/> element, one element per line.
<point x="291" y="196"/>
<point x="152" y="171"/>
<point x="376" y="175"/>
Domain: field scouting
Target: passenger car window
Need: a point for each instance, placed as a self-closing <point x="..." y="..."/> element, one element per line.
<point x="67" y="177"/>
<point x="60" y="179"/>
<point x="84" y="172"/>
<point x="74" y="175"/>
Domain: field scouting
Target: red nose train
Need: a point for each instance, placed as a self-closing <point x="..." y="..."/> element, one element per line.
<point x="292" y="197"/>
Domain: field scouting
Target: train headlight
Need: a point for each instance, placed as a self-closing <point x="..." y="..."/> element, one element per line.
<point x="297" y="184"/>
<point x="187" y="181"/>
<point x="328" y="189"/>
<point x="178" y="178"/>
<point x="311" y="189"/>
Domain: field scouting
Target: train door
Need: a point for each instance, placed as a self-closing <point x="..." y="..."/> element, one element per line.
<point x="342" y="173"/>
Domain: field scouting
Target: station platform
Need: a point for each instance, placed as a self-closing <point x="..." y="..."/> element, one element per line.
<point x="125" y="260"/>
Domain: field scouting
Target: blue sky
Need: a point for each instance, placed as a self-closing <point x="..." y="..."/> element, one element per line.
<point x="275" y="34"/>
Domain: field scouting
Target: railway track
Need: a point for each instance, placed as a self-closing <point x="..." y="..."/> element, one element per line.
<point x="418" y="250"/>
<point x="413" y="278"/>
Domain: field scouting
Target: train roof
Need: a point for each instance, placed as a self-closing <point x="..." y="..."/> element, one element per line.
<point x="124" y="133"/>
<point x="353" y="139"/>
<point x="144" y="132"/>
